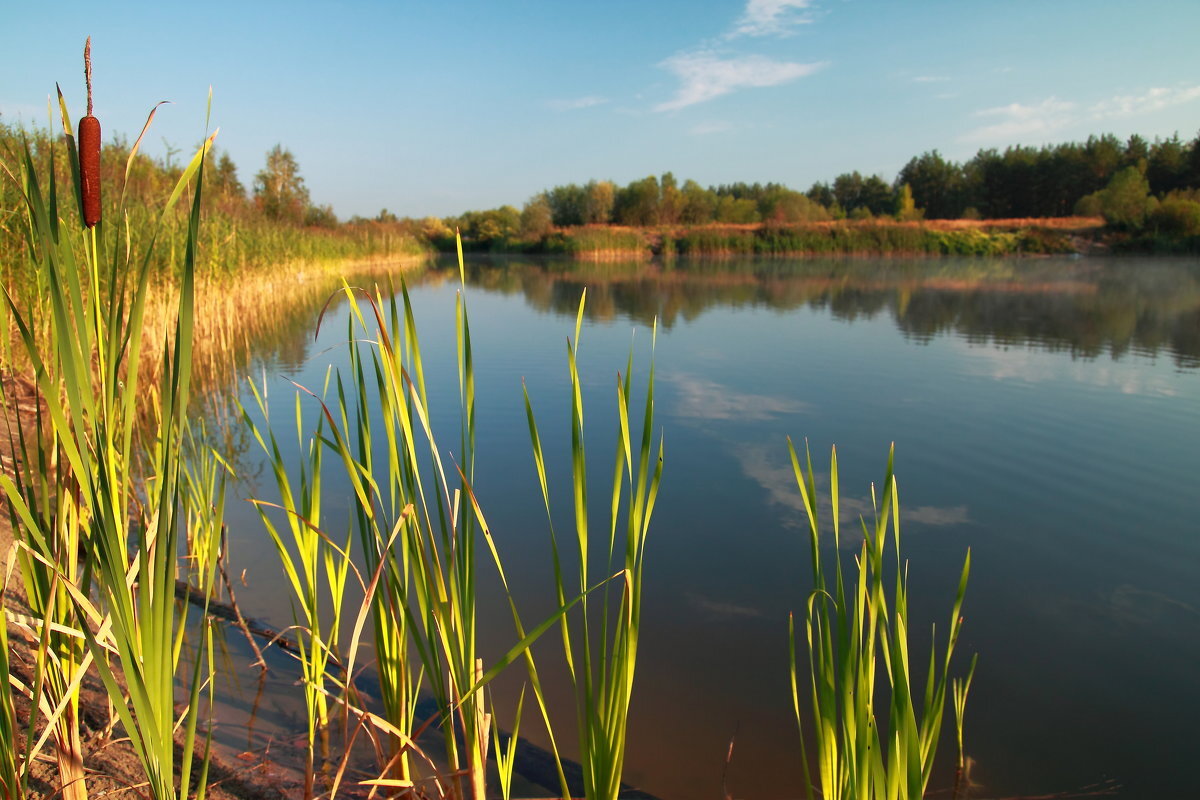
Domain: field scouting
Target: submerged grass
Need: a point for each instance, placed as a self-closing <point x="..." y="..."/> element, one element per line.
<point x="853" y="632"/>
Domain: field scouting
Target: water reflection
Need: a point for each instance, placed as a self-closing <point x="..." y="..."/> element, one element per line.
<point x="1087" y="307"/>
<point x="1041" y="414"/>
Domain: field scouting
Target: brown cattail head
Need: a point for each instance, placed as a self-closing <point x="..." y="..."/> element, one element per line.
<point x="89" y="168"/>
<point x="89" y="149"/>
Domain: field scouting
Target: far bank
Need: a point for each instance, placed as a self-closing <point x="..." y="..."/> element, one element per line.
<point x="874" y="237"/>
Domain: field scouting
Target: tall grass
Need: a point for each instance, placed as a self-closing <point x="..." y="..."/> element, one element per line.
<point x="598" y="243"/>
<point x="864" y="238"/>
<point x="601" y="649"/>
<point x="13" y="766"/>
<point x="854" y="632"/>
<point x="96" y="499"/>
<point x="235" y="239"/>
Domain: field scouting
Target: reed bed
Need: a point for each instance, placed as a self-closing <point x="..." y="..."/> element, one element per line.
<point x="871" y="239"/>
<point x="599" y="243"/>
<point x="234" y="240"/>
<point x="237" y="313"/>
<point x="96" y="499"/>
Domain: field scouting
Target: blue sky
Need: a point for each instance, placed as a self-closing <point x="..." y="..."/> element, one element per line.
<point x="440" y="107"/>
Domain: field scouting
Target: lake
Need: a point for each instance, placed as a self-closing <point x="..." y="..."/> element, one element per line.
<point x="1045" y="414"/>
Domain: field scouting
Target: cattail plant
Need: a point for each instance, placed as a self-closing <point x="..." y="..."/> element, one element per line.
<point x="99" y="497"/>
<point x="89" y="149"/>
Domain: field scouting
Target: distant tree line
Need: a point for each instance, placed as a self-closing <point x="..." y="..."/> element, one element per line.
<point x="1133" y="184"/>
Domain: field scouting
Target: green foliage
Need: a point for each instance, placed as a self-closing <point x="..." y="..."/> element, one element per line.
<point x="1126" y="200"/>
<point x="568" y="204"/>
<point x="854" y="632"/>
<point x="321" y="217"/>
<point x="697" y="205"/>
<point x="854" y="193"/>
<point x="638" y="203"/>
<point x="1090" y="205"/>
<point x="489" y="229"/>
<point x="236" y="235"/>
<point x="906" y="206"/>
<point x="112" y="507"/>
<point x="279" y="191"/>
<point x="779" y="204"/>
<point x="536" y="217"/>
<point x="598" y="206"/>
<point x="936" y="185"/>
<point x="601" y="650"/>
<point x="737" y="210"/>
<point x="864" y="238"/>
<point x="1176" y="216"/>
<point x="599" y="241"/>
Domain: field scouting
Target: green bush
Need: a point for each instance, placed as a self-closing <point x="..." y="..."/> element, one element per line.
<point x="1176" y="216"/>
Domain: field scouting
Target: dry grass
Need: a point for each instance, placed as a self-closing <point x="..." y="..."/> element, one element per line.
<point x="232" y="312"/>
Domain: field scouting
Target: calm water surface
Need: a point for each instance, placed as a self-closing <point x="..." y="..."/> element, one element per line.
<point x="1046" y="415"/>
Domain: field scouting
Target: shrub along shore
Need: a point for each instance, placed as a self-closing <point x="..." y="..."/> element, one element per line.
<point x="1004" y="237"/>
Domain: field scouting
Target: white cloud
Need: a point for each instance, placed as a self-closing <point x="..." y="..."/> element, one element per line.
<point x="705" y="75"/>
<point x="774" y="474"/>
<point x="577" y="103"/>
<point x="1017" y="119"/>
<point x="703" y="399"/>
<point x="1151" y="100"/>
<point x="1033" y="365"/>
<point x="771" y="17"/>
<point x="935" y="515"/>
<point x="931" y="79"/>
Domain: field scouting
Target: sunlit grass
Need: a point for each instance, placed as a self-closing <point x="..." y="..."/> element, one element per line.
<point x="95" y="499"/>
<point x="601" y="649"/>
<point x="853" y="632"/>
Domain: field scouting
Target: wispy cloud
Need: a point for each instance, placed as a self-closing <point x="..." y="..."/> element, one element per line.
<point x="717" y="609"/>
<point x="706" y="75"/>
<point x="1032" y="366"/>
<point x="1148" y="102"/>
<point x="772" y="17"/>
<point x="1016" y="120"/>
<point x="935" y="515"/>
<point x="774" y="474"/>
<point x="577" y="103"/>
<point x="700" y="398"/>
<point x="931" y="79"/>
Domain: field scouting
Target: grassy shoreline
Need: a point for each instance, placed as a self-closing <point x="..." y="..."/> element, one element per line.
<point x="995" y="237"/>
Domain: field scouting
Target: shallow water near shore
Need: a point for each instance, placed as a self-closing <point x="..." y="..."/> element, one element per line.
<point x="1046" y="414"/>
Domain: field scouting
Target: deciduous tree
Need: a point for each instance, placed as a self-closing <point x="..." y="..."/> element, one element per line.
<point x="279" y="191"/>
